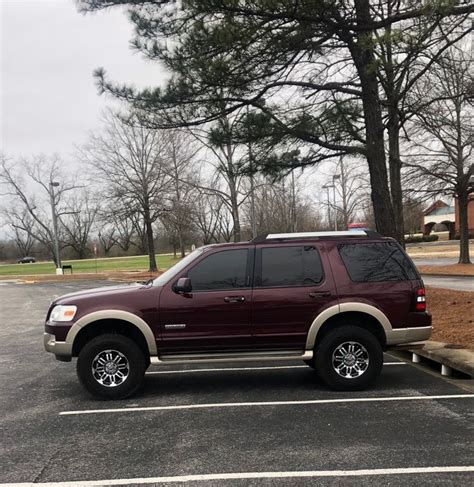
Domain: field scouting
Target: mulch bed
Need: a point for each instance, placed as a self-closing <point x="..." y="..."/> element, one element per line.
<point x="447" y="270"/>
<point x="453" y="316"/>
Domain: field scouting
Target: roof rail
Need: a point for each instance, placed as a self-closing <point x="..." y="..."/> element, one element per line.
<point x="302" y="235"/>
<point x="343" y="233"/>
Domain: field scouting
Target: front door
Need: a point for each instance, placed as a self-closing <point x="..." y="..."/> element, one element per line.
<point x="293" y="284"/>
<point x="215" y="316"/>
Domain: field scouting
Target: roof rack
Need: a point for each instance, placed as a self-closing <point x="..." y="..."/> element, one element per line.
<point x="303" y="235"/>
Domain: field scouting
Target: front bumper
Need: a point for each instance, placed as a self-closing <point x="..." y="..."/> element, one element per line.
<point x="62" y="350"/>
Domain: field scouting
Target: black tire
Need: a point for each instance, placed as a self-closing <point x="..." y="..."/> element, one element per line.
<point x="327" y="358"/>
<point x="130" y="360"/>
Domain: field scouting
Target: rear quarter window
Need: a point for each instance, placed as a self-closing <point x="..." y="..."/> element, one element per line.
<point x="376" y="262"/>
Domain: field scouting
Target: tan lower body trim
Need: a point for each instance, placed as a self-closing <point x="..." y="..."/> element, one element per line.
<point x="247" y="357"/>
<point x="58" y="348"/>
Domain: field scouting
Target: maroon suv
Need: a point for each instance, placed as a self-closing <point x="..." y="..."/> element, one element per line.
<point x="335" y="300"/>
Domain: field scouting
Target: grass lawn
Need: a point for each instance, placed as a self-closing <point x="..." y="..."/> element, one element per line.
<point x="135" y="263"/>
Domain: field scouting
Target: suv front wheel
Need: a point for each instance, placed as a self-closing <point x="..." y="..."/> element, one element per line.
<point x="348" y="358"/>
<point x="111" y="366"/>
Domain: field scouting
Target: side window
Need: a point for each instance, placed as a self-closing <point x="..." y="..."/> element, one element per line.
<point x="290" y="266"/>
<point x="220" y="271"/>
<point x="376" y="262"/>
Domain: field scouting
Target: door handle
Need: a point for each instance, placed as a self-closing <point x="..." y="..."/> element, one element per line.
<point x="234" y="299"/>
<point x="321" y="294"/>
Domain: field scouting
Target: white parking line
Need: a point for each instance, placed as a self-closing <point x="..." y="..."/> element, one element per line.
<point x="257" y="475"/>
<point x="265" y="403"/>
<point x="192" y="371"/>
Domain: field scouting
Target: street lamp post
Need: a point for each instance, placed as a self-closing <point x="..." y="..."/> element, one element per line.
<point x="327" y="187"/>
<point x="59" y="269"/>
<point x="293" y="202"/>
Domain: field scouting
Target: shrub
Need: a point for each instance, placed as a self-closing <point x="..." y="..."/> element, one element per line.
<point x="430" y="238"/>
<point x="413" y="239"/>
<point x="458" y="236"/>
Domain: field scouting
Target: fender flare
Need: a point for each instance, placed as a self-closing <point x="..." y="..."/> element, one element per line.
<point x="114" y="314"/>
<point x="344" y="308"/>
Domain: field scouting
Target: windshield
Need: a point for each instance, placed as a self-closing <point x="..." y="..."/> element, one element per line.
<point x="178" y="267"/>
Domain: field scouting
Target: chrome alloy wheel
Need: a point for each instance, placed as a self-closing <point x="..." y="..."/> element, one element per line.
<point x="350" y="360"/>
<point x="110" y="368"/>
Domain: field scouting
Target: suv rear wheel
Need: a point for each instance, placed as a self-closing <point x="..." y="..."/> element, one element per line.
<point x="348" y="358"/>
<point x="111" y="366"/>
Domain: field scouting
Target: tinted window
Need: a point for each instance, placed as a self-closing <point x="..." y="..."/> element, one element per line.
<point x="376" y="262"/>
<point x="223" y="270"/>
<point x="290" y="266"/>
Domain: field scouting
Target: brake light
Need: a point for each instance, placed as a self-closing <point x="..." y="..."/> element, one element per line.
<point x="420" y="303"/>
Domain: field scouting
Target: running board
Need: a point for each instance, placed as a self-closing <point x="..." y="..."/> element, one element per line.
<point x="230" y="357"/>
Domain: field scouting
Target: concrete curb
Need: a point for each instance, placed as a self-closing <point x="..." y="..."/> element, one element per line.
<point x="428" y="274"/>
<point x="457" y="359"/>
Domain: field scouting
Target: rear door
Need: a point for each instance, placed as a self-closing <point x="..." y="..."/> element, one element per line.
<point x="293" y="284"/>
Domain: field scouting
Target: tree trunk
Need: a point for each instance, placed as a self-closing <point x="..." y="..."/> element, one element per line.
<point x="345" y="196"/>
<point x="463" y="201"/>
<point x="363" y="56"/>
<point x="395" y="166"/>
<point x="380" y="194"/>
<point x="234" y="201"/>
<point x="181" y="244"/>
<point x="235" y="217"/>
<point x="150" y="241"/>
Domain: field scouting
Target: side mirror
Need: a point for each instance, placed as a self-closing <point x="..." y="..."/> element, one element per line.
<point x="183" y="286"/>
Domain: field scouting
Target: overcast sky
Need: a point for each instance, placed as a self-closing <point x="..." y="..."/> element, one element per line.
<point x="48" y="53"/>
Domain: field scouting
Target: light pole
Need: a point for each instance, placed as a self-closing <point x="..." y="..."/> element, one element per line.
<point x="293" y="201"/>
<point x="327" y="187"/>
<point x="336" y="176"/>
<point x="59" y="269"/>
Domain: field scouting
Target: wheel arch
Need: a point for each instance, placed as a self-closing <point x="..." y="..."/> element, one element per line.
<point x="369" y="316"/>
<point x="106" y="321"/>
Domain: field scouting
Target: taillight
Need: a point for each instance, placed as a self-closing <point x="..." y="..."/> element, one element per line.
<point x="420" y="302"/>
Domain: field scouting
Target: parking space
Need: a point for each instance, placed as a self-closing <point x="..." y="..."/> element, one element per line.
<point x="243" y="424"/>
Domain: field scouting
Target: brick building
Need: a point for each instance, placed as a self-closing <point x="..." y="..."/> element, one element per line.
<point x="470" y="214"/>
<point x="442" y="213"/>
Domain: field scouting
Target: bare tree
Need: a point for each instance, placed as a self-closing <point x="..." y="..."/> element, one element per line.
<point x="280" y="206"/>
<point x="177" y="218"/>
<point x="107" y="236"/>
<point x="207" y="211"/>
<point x="412" y="214"/>
<point x="227" y="182"/>
<point x="79" y="222"/>
<point x="125" y="229"/>
<point x="443" y="136"/>
<point x="28" y="183"/>
<point x="350" y="186"/>
<point x="23" y="239"/>
<point x="130" y="159"/>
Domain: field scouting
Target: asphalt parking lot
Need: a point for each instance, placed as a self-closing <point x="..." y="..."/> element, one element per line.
<point x="232" y="425"/>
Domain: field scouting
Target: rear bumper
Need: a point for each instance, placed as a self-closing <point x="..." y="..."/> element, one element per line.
<point x="419" y="329"/>
<point x="398" y="336"/>
<point x="62" y="350"/>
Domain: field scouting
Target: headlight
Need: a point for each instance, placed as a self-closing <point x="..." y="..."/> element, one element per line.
<point x="63" y="313"/>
